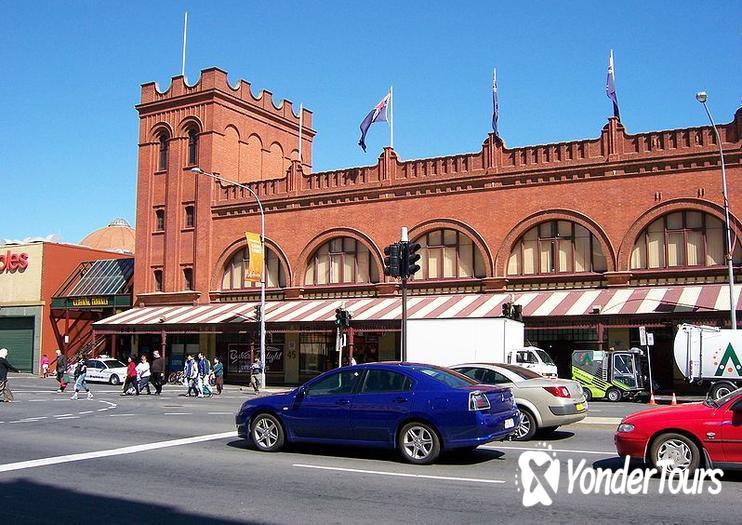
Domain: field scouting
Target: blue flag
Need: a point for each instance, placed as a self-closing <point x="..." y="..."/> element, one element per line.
<point x="610" y="87"/>
<point x="378" y="114"/>
<point x="495" y="105"/>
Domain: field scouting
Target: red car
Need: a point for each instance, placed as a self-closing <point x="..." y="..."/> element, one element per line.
<point x="708" y="433"/>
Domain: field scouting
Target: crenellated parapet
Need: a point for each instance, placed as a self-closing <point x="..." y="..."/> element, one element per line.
<point x="215" y="80"/>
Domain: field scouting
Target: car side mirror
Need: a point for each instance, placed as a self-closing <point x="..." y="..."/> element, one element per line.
<point x="301" y="393"/>
<point x="737" y="406"/>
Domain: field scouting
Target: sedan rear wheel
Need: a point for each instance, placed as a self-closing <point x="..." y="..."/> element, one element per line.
<point x="114" y="380"/>
<point x="674" y="451"/>
<point x="419" y="443"/>
<point x="267" y="433"/>
<point x="526" y="428"/>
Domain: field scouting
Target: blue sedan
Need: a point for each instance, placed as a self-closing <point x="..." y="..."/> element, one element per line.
<point x="419" y="409"/>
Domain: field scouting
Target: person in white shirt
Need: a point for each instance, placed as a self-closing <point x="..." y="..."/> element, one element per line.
<point x="144" y="373"/>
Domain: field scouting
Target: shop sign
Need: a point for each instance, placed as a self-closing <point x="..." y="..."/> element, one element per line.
<point x="11" y="262"/>
<point x="89" y="301"/>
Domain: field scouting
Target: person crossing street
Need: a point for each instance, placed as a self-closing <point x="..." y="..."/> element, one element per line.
<point x="61" y="363"/>
<point x="218" y="375"/>
<point x="81" y="371"/>
<point x="255" y="372"/>
<point x="157" y="372"/>
<point x="131" y="377"/>
<point x="143" y="372"/>
<point x="5" y="367"/>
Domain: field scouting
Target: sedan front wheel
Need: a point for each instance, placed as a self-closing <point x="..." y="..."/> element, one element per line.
<point x="419" y="443"/>
<point x="267" y="433"/>
<point x="674" y="451"/>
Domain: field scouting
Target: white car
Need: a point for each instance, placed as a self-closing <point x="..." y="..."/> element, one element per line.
<point x="105" y="370"/>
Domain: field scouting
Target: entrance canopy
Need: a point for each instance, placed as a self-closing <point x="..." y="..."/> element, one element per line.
<point x="619" y="301"/>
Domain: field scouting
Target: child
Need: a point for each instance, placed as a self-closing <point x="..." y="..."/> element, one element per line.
<point x="44" y="366"/>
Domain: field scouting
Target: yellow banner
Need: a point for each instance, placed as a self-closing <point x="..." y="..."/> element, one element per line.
<point x="255" y="258"/>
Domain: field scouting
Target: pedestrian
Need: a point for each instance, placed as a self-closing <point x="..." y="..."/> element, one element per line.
<point x="131" y="377"/>
<point x="203" y="374"/>
<point x="255" y="372"/>
<point x="218" y="375"/>
<point x="81" y="371"/>
<point x="44" y="366"/>
<point x="5" y="366"/>
<point x="157" y="370"/>
<point x="61" y="364"/>
<point x="143" y="371"/>
<point x="190" y="373"/>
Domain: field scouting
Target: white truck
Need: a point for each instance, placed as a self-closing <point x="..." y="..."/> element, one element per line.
<point x="448" y="342"/>
<point x="710" y="356"/>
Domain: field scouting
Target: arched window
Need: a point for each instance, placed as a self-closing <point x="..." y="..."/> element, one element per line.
<point x="341" y="260"/>
<point x="236" y="269"/>
<point x="158" y="280"/>
<point x="192" y="146"/>
<point x="682" y="239"/>
<point x="164" y="140"/>
<point x="449" y="254"/>
<point x="556" y="247"/>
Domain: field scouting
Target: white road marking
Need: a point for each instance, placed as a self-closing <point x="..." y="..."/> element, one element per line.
<point x="397" y="474"/>
<point x="599" y="421"/>
<point x="566" y="450"/>
<point x="120" y="415"/>
<point x="8" y="467"/>
<point x="61" y="415"/>
<point x="69" y="417"/>
<point x="85" y="412"/>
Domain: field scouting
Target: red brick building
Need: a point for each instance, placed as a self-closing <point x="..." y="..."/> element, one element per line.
<point x="593" y="237"/>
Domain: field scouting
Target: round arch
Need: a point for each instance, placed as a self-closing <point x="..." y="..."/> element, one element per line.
<point x="452" y="224"/>
<point x="651" y="215"/>
<point x="187" y="123"/>
<point x="555" y="214"/>
<point x="240" y="244"/>
<point x="157" y="129"/>
<point x="327" y="236"/>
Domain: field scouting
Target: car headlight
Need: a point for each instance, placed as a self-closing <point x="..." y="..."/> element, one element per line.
<point x="625" y="427"/>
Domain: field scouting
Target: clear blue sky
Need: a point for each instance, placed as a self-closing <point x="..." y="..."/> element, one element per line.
<point x="71" y="73"/>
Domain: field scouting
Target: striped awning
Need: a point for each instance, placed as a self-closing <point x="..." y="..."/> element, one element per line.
<point x="618" y="301"/>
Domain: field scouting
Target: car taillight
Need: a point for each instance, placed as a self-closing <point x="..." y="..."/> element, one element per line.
<point x="478" y="401"/>
<point x="557" y="391"/>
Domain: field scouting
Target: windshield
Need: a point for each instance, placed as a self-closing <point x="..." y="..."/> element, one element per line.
<point x="520" y="371"/>
<point x="449" y="377"/>
<point x="114" y="363"/>
<point x="719" y="402"/>
<point x="546" y="358"/>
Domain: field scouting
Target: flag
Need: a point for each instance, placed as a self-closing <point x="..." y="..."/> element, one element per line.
<point x="495" y="106"/>
<point x="378" y="114"/>
<point x="254" y="271"/>
<point x="610" y="87"/>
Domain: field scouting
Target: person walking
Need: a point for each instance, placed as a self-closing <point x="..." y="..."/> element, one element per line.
<point x="80" y="384"/>
<point x="61" y="364"/>
<point x="44" y="366"/>
<point x="203" y="375"/>
<point x="5" y="367"/>
<point x="131" y="377"/>
<point x="143" y="371"/>
<point x="256" y="369"/>
<point x="218" y="375"/>
<point x="190" y="372"/>
<point x="158" y="373"/>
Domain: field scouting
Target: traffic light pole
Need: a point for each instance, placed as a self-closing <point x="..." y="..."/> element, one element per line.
<point x="403" y="356"/>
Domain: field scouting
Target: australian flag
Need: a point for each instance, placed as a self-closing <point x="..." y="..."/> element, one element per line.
<point x="610" y="87"/>
<point x="378" y="114"/>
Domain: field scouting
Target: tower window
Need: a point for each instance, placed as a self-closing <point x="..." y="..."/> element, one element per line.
<point x="160" y="220"/>
<point x="188" y="278"/>
<point x="192" y="147"/>
<point x="162" y="163"/>
<point x="189" y="216"/>
<point x="158" y="280"/>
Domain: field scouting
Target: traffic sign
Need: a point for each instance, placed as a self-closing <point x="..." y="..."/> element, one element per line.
<point x="643" y="335"/>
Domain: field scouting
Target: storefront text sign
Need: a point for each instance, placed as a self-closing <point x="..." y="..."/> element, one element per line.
<point x="13" y="262"/>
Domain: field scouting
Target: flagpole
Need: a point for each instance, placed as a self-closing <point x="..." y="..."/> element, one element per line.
<point x="185" y="33"/>
<point x="301" y="122"/>
<point x="391" y="117"/>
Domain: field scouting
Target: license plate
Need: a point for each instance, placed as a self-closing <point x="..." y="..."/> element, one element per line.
<point x="580" y="407"/>
<point x="509" y="423"/>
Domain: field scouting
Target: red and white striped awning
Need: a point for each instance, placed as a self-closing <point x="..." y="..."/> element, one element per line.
<point x="614" y="301"/>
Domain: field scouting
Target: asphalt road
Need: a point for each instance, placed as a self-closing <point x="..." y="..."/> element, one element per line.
<point x="173" y="459"/>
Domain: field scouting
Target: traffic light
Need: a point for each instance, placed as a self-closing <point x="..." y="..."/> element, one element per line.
<point x="258" y="313"/>
<point x="392" y="259"/>
<point x="342" y="318"/>
<point x="507" y="310"/>
<point x="409" y="259"/>
<point x="518" y="312"/>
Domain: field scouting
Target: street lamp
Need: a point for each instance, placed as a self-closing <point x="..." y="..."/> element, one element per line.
<point x="199" y="171"/>
<point x="702" y="97"/>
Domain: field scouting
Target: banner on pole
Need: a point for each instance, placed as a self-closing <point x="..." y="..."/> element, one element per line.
<point x="254" y="271"/>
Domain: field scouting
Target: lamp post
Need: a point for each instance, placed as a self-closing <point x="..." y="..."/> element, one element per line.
<point x="702" y="97"/>
<point x="199" y="171"/>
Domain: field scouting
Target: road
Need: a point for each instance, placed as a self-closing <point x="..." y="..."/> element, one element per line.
<point x="173" y="459"/>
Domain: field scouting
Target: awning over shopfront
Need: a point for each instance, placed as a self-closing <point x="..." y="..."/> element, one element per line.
<point x="620" y="301"/>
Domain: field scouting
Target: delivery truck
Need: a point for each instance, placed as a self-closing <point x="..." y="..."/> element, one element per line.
<point x="448" y="342"/>
<point x="710" y="356"/>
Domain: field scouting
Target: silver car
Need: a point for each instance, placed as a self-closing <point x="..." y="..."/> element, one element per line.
<point x="544" y="404"/>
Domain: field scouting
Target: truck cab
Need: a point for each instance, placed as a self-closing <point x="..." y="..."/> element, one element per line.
<point x="534" y="359"/>
<point x="614" y="375"/>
